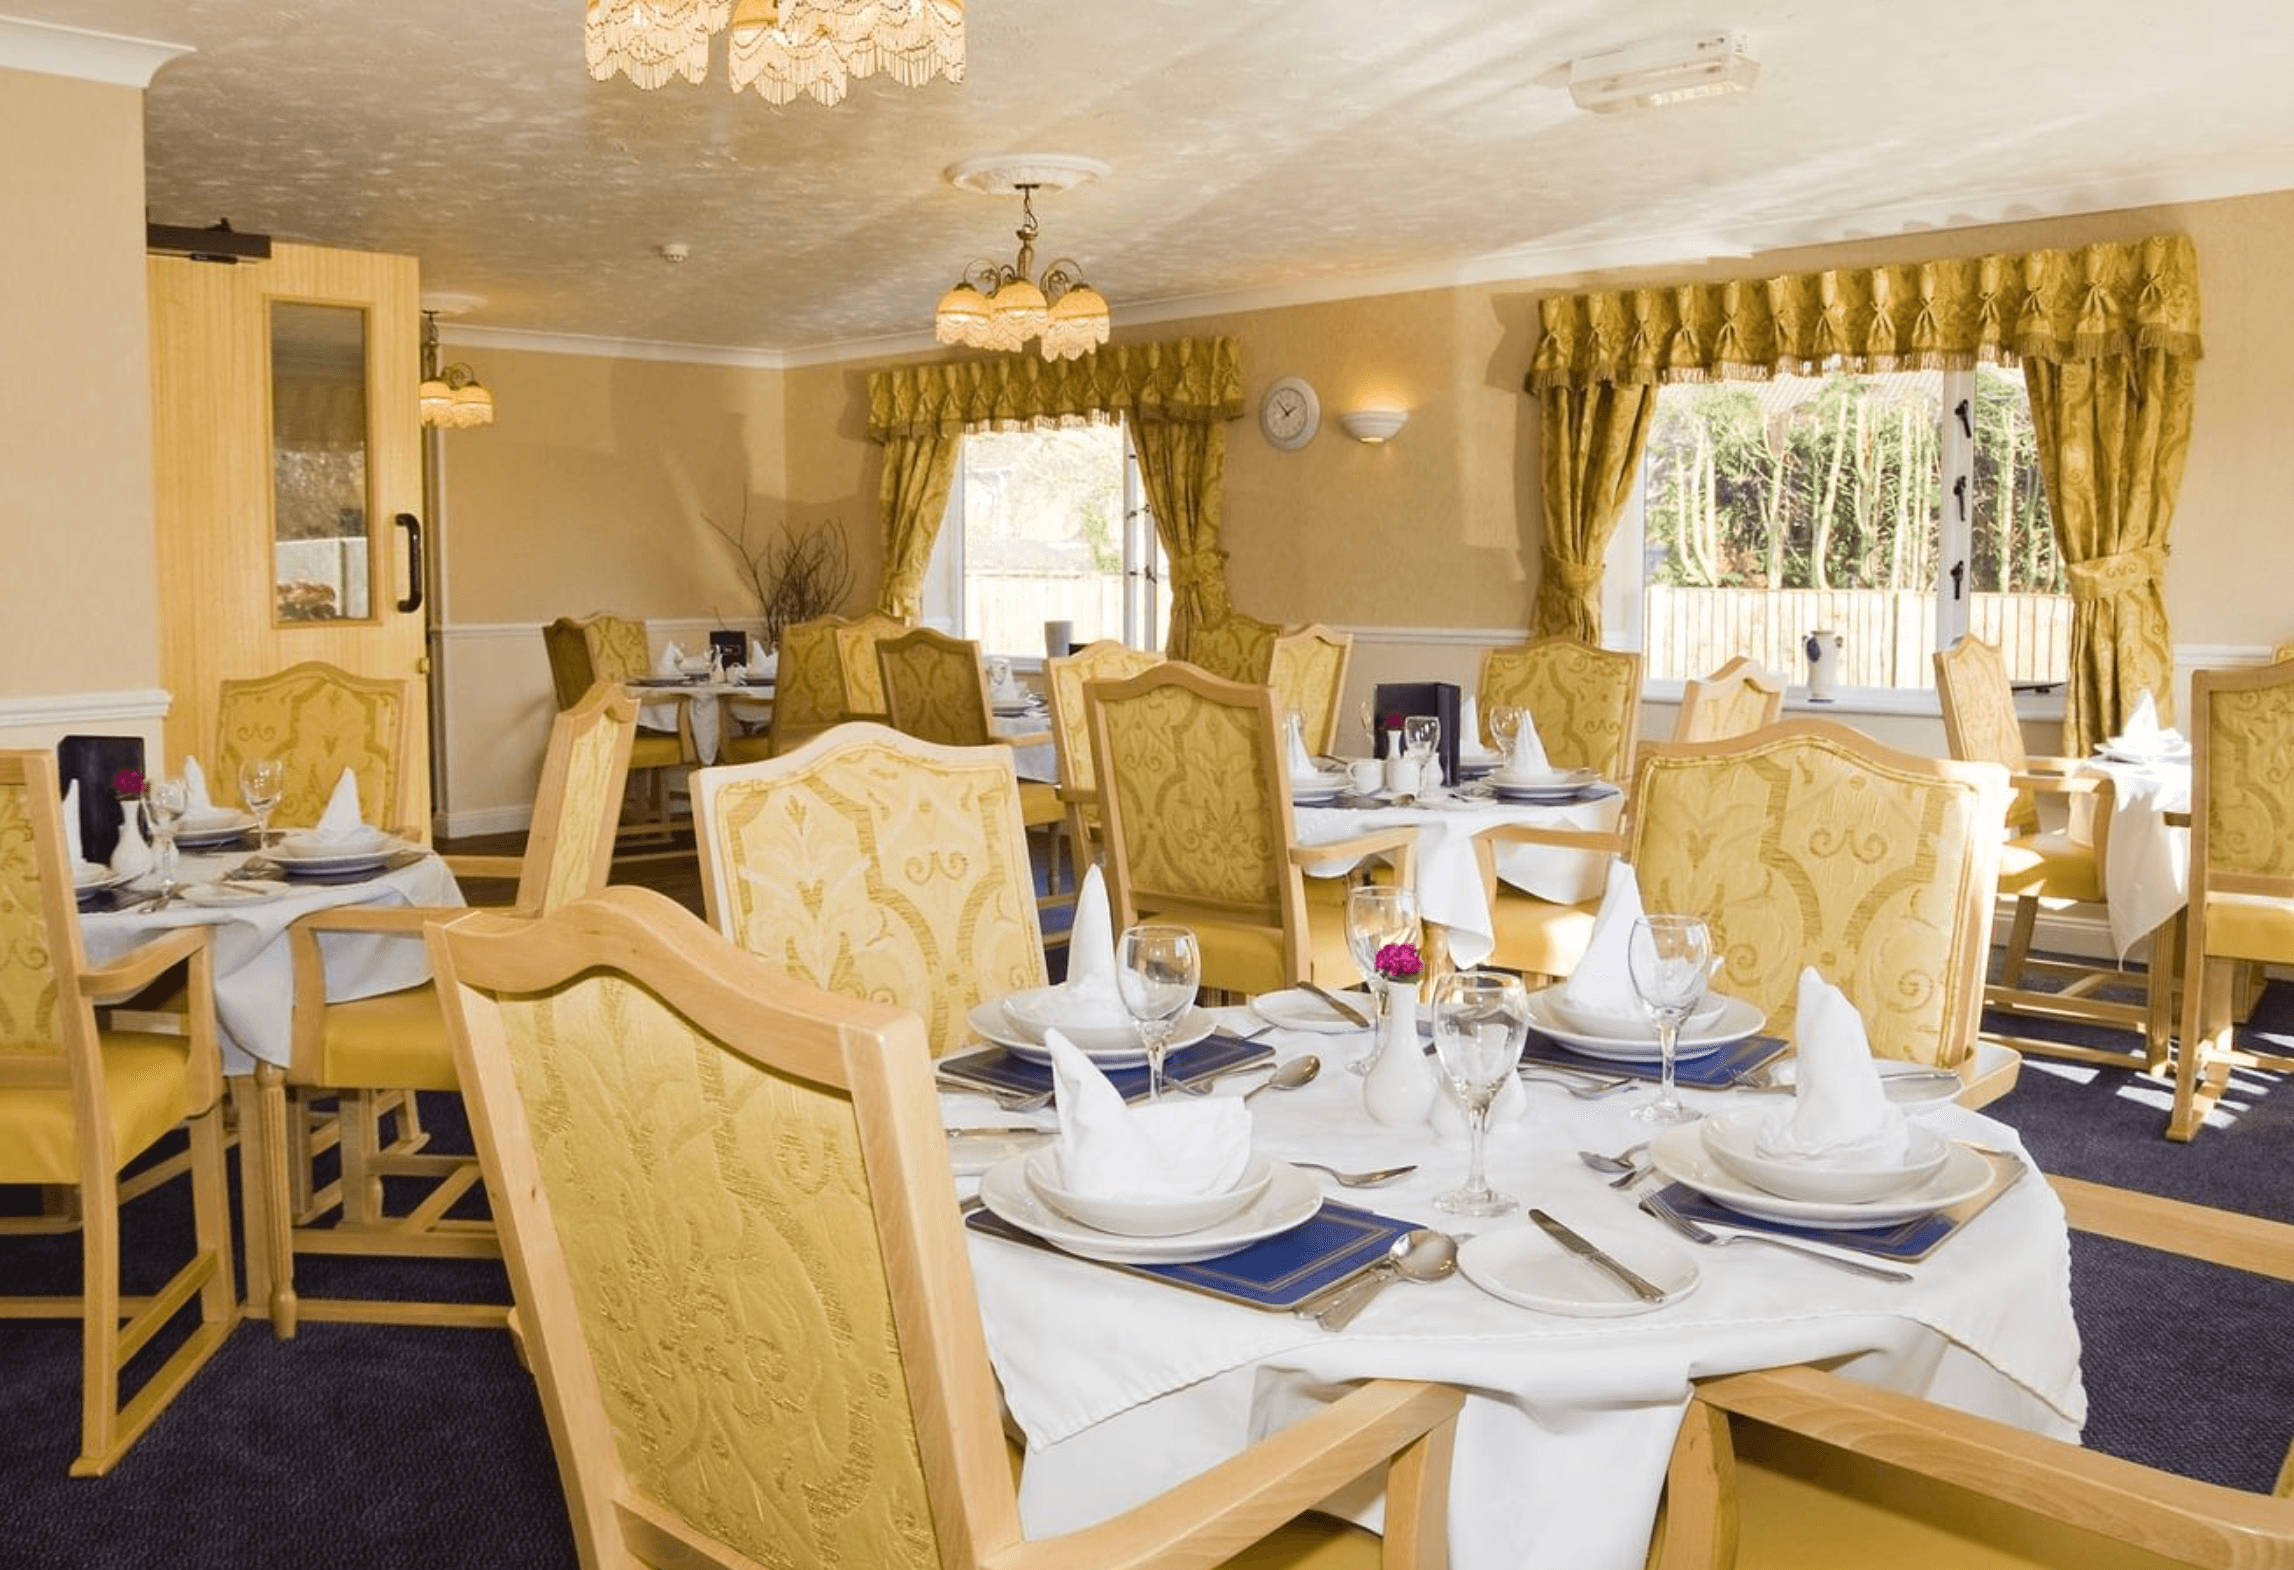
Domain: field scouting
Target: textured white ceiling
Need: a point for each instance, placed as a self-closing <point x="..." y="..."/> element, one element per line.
<point x="1260" y="148"/>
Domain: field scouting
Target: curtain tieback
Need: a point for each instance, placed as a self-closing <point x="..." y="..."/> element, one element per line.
<point x="1198" y="566"/>
<point x="2121" y="573"/>
<point x="1576" y="577"/>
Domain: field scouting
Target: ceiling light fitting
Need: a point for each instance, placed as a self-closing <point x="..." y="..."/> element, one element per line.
<point x="453" y="397"/>
<point x="1669" y="71"/>
<point x="994" y="307"/>
<point x="779" y="47"/>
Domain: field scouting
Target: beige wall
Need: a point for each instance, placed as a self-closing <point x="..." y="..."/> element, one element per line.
<point x="79" y="601"/>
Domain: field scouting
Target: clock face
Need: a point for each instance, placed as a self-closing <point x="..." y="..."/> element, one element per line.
<point x="1289" y="414"/>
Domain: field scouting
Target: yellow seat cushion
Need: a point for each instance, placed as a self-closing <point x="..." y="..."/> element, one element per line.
<point x="2250" y="926"/>
<point x="2050" y="866"/>
<point x="1249" y="960"/>
<point x="746" y="748"/>
<point x="1329" y="960"/>
<point x="393" y="1042"/>
<point x="1538" y="937"/>
<point x="144" y="1077"/>
<point x="652" y="749"/>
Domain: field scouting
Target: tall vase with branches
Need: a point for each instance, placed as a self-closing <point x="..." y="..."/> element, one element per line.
<point x="799" y="572"/>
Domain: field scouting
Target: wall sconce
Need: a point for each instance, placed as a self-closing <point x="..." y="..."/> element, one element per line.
<point x="1374" y="425"/>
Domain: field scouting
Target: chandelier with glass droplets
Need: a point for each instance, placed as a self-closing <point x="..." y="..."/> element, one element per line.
<point x="779" y="47"/>
<point x="994" y="307"/>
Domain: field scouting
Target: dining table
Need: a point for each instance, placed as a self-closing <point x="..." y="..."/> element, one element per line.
<point x="697" y="708"/>
<point x="2146" y="858"/>
<point x="1125" y="1385"/>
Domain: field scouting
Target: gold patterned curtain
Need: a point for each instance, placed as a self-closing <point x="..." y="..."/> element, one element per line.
<point x="1591" y="440"/>
<point x="2108" y="336"/>
<point x="912" y="498"/>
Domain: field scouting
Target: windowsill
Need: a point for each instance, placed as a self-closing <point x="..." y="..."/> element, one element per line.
<point x="1918" y="702"/>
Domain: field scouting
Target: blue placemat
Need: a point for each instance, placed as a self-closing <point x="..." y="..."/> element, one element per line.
<point x="1915" y="1239"/>
<point x="999" y="1068"/>
<point x="1279" y="1272"/>
<point x="1714" y="1071"/>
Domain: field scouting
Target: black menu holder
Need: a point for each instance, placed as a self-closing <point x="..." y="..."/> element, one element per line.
<point x="95" y="761"/>
<point x="731" y="648"/>
<point x="1405" y="698"/>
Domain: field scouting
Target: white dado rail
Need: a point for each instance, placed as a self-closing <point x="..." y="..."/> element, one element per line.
<point x="45" y="720"/>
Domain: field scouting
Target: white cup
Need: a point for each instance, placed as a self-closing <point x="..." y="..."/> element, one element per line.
<point x="1401" y="774"/>
<point x="1368" y="774"/>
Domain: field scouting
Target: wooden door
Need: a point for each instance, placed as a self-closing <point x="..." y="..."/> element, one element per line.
<point x="286" y="451"/>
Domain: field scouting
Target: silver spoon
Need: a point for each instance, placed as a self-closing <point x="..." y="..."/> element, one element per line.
<point x="1622" y="1168"/>
<point x="1357" y="1179"/>
<point x="1420" y="1255"/>
<point x="1288" y="1076"/>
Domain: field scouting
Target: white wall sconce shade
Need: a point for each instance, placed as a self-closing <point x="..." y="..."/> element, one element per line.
<point x="1373" y="425"/>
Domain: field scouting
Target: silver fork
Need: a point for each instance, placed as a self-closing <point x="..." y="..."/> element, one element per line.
<point x="1582" y="1089"/>
<point x="1655" y="1205"/>
<point x="1008" y="1101"/>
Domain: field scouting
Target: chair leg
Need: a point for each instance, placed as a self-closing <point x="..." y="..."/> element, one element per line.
<point x="2018" y="955"/>
<point x="361" y="1184"/>
<point x="2202" y="1059"/>
<point x="264" y="1165"/>
<point x="99" y="1331"/>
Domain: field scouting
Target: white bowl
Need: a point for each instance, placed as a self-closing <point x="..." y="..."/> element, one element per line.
<point x="1734" y="1143"/>
<point x="1033" y="1011"/>
<point x="1550" y="779"/>
<point x="1144" y="1217"/>
<point x="1636" y="1026"/>
<point x="358" y="842"/>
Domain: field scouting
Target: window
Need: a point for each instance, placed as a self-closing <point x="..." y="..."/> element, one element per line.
<point x="1900" y="509"/>
<point x="1044" y="526"/>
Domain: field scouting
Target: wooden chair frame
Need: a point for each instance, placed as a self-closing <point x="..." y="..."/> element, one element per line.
<point x="1282" y="916"/>
<point x="397" y="786"/>
<point x="1321" y="707"/>
<point x="366" y="1226"/>
<point x="574" y="671"/>
<point x="876" y="1056"/>
<point x="1066" y="683"/>
<point x="115" y="1327"/>
<point x="1707" y="702"/>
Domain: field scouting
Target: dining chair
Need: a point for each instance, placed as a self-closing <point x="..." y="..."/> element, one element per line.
<point x="878" y="866"/>
<point x="808" y="690"/>
<point x="1787" y="1467"/>
<point x="2044" y="866"/>
<point x="2241" y="906"/>
<point x="319" y="720"/>
<point x="752" y="1319"/>
<point x="1237" y="648"/>
<point x="1307" y="669"/>
<point x="358" y="1050"/>
<point x="1737" y="698"/>
<point x="588" y="650"/>
<point x="1065" y="680"/>
<point x="936" y="689"/>
<point x="80" y="1100"/>
<point x="1200" y="830"/>
<point x="856" y="642"/>
<point x="1585" y="701"/>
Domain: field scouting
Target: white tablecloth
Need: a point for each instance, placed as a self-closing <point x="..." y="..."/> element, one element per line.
<point x="254" y="970"/>
<point x="2146" y="863"/>
<point x="1040" y="762"/>
<point x="1124" y="1387"/>
<point x="1447" y="872"/>
<point x="705" y="704"/>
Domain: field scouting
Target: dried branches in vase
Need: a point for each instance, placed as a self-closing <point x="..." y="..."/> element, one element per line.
<point x="800" y="572"/>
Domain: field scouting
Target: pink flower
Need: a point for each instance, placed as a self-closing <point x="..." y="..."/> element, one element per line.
<point x="1399" y="962"/>
<point x="127" y="784"/>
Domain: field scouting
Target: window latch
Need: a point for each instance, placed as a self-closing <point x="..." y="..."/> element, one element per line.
<point x="1966" y="421"/>
<point x="1959" y="494"/>
<point x="1958" y="577"/>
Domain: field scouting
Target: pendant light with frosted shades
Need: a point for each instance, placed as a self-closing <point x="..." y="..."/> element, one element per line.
<point x="996" y="306"/>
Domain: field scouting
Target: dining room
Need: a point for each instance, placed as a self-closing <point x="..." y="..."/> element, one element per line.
<point x="1383" y="405"/>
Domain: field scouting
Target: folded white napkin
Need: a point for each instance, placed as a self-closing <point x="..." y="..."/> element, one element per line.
<point x="671" y="661"/>
<point x="197" y="801"/>
<point x="74" y="852"/>
<point x="1839" y="1112"/>
<point x="1470" y="743"/>
<point x="1602" y="983"/>
<point x="2142" y="733"/>
<point x="1528" y="760"/>
<point x="341" y="820"/>
<point x="1300" y="761"/>
<point x="756" y="653"/>
<point x="1170" y="1149"/>
<point x="1089" y="996"/>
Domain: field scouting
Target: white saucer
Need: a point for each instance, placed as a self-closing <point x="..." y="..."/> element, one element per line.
<point x="989" y="1022"/>
<point x="212" y="828"/>
<point x="1291" y="1197"/>
<point x="1680" y="1154"/>
<point x="1294" y="1008"/>
<point x="93" y="875"/>
<point x="225" y="896"/>
<point x="1738" y="1019"/>
<point x="1522" y="1265"/>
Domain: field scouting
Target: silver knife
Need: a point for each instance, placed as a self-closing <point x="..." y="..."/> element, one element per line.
<point x="1594" y="1254"/>
<point x="1345" y="1009"/>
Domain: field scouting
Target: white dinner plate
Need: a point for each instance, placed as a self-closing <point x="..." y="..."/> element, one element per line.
<point x="1680" y="1154"/>
<point x="1294" y="1008"/>
<point x="213" y="829"/>
<point x="1291" y="1197"/>
<point x="1738" y="1019"/>
<point x="1522" y="1265"/>
<point x="2145" y="757"/>
<point x="990" y="1022"/>
<point x="1551" y="795"/>
<point x="226" y="895"/>
<point x="972" y="1153"/>
<point x="1635" y="1026"/>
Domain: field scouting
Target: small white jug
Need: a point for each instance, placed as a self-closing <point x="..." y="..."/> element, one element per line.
<point x="1825" y="651"/>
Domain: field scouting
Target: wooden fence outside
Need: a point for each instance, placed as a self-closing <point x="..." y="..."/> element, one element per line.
<point x="1889" y="635"/>
<point x="1005" y="611"/>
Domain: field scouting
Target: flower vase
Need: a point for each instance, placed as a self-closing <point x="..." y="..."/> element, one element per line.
<point x="132" y="856"/>
<point x="1400" y="1089"/>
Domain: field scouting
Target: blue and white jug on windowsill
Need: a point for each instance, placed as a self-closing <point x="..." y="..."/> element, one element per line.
<point x="1824" y="650"/>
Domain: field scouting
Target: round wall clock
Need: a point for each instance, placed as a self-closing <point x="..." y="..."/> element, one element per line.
<point x="1290" y="414"/>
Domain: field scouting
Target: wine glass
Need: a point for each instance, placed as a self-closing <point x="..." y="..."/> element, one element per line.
<point x="1421" y="738"/>
<point x="1367" y="717"/>
<point x="262" y="782"/>
<point x="1669" y="957"/>
<point x="1377" y="914"/>
<point x="165" y="801"/>
<point x="1505" y="724"/>
<point x="1157" y="970"/>
<point x="1481" y="1018"/>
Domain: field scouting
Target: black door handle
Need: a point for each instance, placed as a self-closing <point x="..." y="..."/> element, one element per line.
<point x="413" y="527"/>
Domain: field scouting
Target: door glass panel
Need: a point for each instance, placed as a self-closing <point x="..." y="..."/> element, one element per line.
<point x="320" y="542"/>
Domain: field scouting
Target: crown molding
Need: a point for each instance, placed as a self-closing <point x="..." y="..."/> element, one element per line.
<point x="86" y="56"/>
<point x="464" y="335"/>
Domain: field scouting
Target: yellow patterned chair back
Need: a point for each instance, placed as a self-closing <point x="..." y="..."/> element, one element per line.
<point x="856" y="642"/>
<point x="808" y="691"/>
<point x="319" y="719"/>
<point x="1979" y="718"/>
<point x="1241" y="648"/>
<point x="748" y="1304"/>
<point x="2241" y="907"/>
<point x="1064" y="680"/>
<point x="1810" y="844"/>
<point x="1735" y="700"/>
<point x="569" y="847"/>
<point x="878" y="866"/>
<point x="1307" y="670"/>
<point x="935" y="688"/>
<point x="1585" y="702"/>
<point x="80" y="1101"/>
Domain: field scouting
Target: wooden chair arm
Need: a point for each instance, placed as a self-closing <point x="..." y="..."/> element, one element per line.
<point x="1608" y="841"/>
<point x="131" y="973"/>
<point x="2062" y="784"/>
<point x="2173" y="1226"/>
<point x="1212" y="1516"/>
<point x="1031" y="739"/>
<point x="2053" y="765"/>
<point x="376" y="918"/>
<point x="1400" y="841"/>
<point x="134" y="971"/>
<point x="506" y="868"/>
